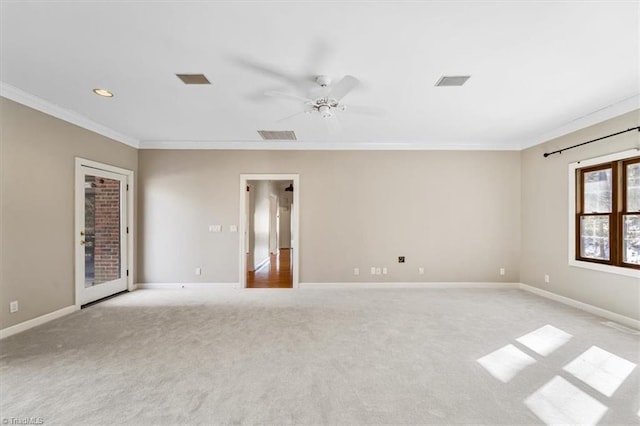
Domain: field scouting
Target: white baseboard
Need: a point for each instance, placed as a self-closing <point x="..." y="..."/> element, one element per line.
<point x="409" y="285"/>
<point x="621" y="319"/>
<point x="26" y="325"/>
<point x="191" y="286"/>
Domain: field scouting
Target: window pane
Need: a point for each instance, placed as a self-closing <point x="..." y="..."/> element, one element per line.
<point x="102" y="230"/>
<point x="597" y="191"/>
<point x="633" y="187"/>
<point x="594" y="237"/>
<point x="631" y="239"/>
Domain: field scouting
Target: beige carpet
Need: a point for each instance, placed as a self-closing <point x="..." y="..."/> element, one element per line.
<point x="352" y="356"/>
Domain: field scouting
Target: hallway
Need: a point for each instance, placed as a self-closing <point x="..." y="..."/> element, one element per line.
<point x="277" y="274"/>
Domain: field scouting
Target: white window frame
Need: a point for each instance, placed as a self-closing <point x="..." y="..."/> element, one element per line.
<point x="629" y="272"/>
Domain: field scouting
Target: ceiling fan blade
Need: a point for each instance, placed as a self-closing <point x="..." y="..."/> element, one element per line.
<point x="343" y="87"/>
<point x="270" y="71"/>
<point x="365" y="110"/>
<point x="306" y="110"/>
<point x="291" y="116"/>
<point x="288" y="96"/>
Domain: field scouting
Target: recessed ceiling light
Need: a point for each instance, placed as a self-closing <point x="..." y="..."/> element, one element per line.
<point x="103" y="92"/>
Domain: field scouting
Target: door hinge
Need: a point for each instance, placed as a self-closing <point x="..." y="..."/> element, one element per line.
<point x="127" y="229"/>
<point x="127" y="272"/>
<point x="127" y="187"/>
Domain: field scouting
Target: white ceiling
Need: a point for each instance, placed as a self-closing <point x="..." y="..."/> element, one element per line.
<point x="538" y="68"/>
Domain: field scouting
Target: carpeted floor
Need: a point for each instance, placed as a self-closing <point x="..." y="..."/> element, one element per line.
<point x="339" y="356"/>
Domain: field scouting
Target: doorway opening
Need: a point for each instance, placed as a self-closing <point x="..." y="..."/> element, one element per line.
<point x="269" y="236"/>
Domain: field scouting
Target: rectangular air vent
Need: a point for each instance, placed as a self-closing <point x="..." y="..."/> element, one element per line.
<point x="278" y="135"/>
<point x="452" y="80"/>
<point x="193" y="78"/>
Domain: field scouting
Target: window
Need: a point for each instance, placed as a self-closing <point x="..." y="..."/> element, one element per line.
<point x="608" y="213"/>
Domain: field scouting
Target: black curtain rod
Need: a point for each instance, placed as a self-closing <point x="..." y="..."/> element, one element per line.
<point x="546" y="154"/>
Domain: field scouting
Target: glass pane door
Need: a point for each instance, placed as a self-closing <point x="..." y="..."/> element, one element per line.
<point x="102" y="239"/>
<point x="101" y="225"/>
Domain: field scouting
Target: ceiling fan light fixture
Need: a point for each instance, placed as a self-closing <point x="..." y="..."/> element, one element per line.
<point x="325" y="111"/>
<point x="103" y="92"/>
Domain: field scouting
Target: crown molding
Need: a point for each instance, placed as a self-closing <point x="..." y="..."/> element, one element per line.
<point x="17" y="95"/>
<point x="616" y="109"/>
<point x="610" y="111"/>
<point x="325" y="146"/>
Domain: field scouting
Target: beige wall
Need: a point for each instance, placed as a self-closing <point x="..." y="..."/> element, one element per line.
<point x="545" y="220"/>
<point x="37" y="154"/>
<point x="457" y="214"/>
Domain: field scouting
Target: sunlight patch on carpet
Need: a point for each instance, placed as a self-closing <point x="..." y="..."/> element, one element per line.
<point x="560" y="402"/>
<point x="600" y="369"/>
<point x="506" y="362"/>
<point x="545" y="340"/>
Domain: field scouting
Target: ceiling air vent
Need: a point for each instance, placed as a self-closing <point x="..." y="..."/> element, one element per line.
<point x="278" y="135"/>
<point x="193" y="78"/>
<point x="452" y="80"/>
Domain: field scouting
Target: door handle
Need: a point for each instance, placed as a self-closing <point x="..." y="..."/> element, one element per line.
<point x="82" y="242"/>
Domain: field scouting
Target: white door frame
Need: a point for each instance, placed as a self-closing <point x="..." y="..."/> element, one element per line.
<point x="295" y="212"/>
<point x="79" y="226"/>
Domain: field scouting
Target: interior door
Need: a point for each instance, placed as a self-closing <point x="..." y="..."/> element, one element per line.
<point x="101" y="249"/>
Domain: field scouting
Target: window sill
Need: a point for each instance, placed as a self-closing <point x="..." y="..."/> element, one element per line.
<point x="628" y="272"/>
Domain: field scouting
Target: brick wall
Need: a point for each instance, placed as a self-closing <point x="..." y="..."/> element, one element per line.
<point x="107" y="230"/>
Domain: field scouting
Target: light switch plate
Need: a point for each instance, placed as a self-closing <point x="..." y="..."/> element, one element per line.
<point x="215" y="228"/>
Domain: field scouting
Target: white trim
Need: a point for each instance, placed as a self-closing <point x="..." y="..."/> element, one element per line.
<point x="610" y="111"/>
<point x="329" y="145"/>
<point x="629" y="322"/>
<point x="39" y="104"/>
<point x="79" y="201"/>
<point x="634" y="273"/>
<point x="348" y="285"/>
<point x="295" y="222"/>
<point x="190" y="286"/>
<point x="42" y="319"/>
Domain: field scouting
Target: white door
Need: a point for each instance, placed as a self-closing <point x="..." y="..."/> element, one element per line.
<point x="101" y="228"/>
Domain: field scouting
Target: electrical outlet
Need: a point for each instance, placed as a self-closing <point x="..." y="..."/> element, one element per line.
<point x="421" y="270"/>
<point x="233" y="228"/>
<point x="501" y="271"/>
<point x="373" y="270"/>
<point x="198" y="271"/>
<point x="13" y="306"/>
<point x="215" y="228"/>
<point x="384" y="271"/>
<point x="546" y="279"/>
<point x="356" y="271"/>
<point x="400" y="259"/>
<point x="378" y="271"/>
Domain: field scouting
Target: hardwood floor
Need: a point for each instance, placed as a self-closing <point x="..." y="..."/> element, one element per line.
<point x="277" y="274"/>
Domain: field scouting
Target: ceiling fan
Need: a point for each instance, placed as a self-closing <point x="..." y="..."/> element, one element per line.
<point x="326" y="100"/>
